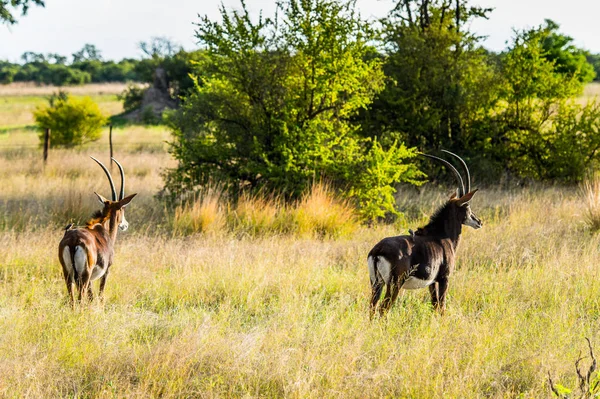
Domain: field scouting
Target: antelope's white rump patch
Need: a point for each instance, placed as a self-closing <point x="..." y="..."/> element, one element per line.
<point x="67" y="259"/>
<point x="80" y="259"/>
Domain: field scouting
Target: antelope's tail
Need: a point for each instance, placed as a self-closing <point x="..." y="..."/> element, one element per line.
<point x="373" y="273"/>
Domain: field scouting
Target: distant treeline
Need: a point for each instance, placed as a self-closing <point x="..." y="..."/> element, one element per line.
<point x="88" y="66"/>
<point x="594" y="59"/>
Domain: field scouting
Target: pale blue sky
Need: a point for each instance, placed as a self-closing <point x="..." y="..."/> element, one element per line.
<point x="117" y="26"/>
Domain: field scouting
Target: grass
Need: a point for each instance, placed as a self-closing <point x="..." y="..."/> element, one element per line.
<point x="250" y="309"/>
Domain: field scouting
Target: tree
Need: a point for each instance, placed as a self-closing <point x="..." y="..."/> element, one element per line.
<point x="559" y="49"/>
<point x="594" y="60"/>
<point x="539" y="130"/>
<point x="440" y="81"/>
<point x="273" y="104"/>
<point x="159" y="47"/>
<point x="9" y="7"/>
<point x="89" y="52"/>
<point x="72" y="121"/>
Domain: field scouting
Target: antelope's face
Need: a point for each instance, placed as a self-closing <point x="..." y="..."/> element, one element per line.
<point x="123" y="224"/>
<point x="470" y="219"/>
<point x="464" y="212"/>
<point x="115" y="210"/>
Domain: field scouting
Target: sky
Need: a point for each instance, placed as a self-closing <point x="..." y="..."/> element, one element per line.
<point x="116" y="27"/>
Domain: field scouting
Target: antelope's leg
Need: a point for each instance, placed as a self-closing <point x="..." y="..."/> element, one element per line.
<point x="90" y="293"/>
<point x="395" y="291"/>
<point x="375" y="295"/>
<point x="388" y="299"/>
<point x="443" y="288"/>
<point x="434" y="291"/>
<point x="102" y="284"/>
<point x="70" y="280"/>
<point x="85" y="283"/>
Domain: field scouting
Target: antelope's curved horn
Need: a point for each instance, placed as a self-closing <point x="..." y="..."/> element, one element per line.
<point x="122" y="192"/>
<point x="110" y="180"/>
<point x="464" y="164"/>
<point x="461" y="186"/>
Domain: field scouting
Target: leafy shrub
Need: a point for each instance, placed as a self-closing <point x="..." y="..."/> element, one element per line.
<point x="539" y="130"/>
<point x="72" y="121"/>
<point x="131" y="97"/>
<point x="276" y="113"/>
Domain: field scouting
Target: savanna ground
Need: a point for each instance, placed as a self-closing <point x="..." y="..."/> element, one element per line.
<point x="271" y="300"/>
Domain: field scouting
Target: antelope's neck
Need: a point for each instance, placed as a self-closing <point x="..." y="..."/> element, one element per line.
<point x="453" y="232"/>
<point x="112" y="227"/>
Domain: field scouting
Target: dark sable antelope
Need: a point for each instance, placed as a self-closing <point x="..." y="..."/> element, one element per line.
<point x="86" y="253"/>
<point x="426" y="257"/>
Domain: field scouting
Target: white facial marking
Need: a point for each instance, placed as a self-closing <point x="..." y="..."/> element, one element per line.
<point x="124" y="225"/>
<point x="472" y="222"/>
<point x="67" y="259"/>
<point x="80" y="258"/>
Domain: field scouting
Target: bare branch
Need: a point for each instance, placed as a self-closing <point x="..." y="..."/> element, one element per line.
<point x="594" y="363"/>
<point x="552" y="387"/>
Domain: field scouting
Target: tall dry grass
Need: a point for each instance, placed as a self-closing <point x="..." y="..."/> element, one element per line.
<point x="281" y="316"/>
<point x="257" y="308"/>
<point x="590" y="193"/>
<point x="317" y="214"/>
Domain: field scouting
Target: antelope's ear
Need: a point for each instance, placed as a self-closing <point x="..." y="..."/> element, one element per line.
<point x="125" y="201"/>
<point x="101" y="198"/>
<point x="454" y="195"/>
<point x="466" y="198"/>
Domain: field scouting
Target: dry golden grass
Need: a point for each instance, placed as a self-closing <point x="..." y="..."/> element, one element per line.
<point x="31" y="89"/>
<point x="247" y="310"/>
<point x="218" y="316"/>
<point x="317" y="214"/>
<point x="590" y="193"/>
<point x="592" y="90"/>
<point x="19" y="100"/>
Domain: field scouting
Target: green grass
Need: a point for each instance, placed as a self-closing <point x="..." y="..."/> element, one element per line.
<point x="236" y="313"/>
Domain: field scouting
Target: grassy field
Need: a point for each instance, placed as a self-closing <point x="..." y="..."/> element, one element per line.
<point x="267" y="312"/>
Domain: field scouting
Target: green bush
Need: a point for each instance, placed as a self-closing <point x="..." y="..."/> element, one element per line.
<point x="131" y="97"/>
<point x="276" y="113"/>
<point x="73" y="121"/>
<point x="539" y="130"/>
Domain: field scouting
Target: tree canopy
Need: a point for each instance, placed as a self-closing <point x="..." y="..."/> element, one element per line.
<point x="8" y="8"/>
<point x="273" y="104"/>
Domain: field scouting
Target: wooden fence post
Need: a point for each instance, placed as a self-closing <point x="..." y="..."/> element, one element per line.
<point x="110" y="144"/>
<point x="46" y="144"/>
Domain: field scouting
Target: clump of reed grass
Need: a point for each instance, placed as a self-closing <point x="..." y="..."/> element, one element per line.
<point x="206" y="214"/>
<point x="256" y="215"/>
<point x="320" y="213"/>
<point x="590" y="193"/>
<point x="317" y="214"/>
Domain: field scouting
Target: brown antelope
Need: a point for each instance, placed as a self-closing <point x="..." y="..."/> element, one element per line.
<point x="424" y="258"/>
<point x="86" y="253"/>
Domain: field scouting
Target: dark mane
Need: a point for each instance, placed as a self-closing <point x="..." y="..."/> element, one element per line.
<point x="436" y="225"/>
<point x="97" y="214"/>
<point x="97" y="217"/>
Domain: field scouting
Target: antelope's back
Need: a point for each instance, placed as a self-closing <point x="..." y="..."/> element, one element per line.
<point x="393" y="247"/>
<point x="419" y="249"/>
<point x="93" y="240"/>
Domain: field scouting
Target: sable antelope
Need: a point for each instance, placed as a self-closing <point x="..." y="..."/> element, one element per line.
<point x="425" y="258"/>
<point x="86" y="253"/>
